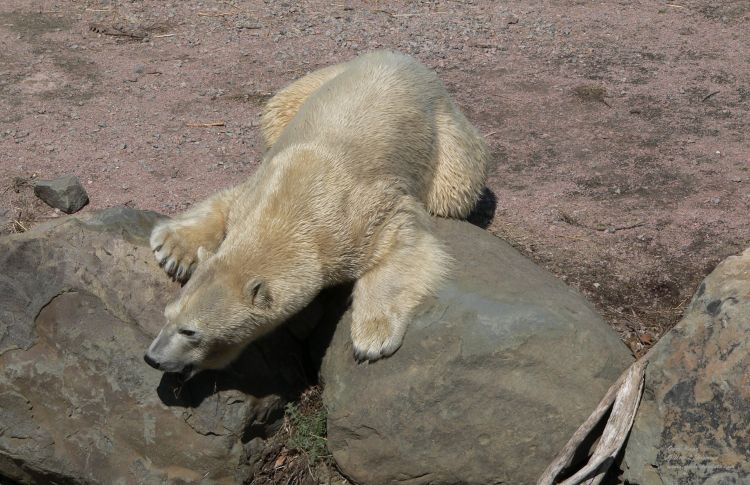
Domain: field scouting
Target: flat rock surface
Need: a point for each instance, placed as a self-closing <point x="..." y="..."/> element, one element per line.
<point x="493" y="377"/>
<point x="694" y="422"/>
<point x="80" y="300"/>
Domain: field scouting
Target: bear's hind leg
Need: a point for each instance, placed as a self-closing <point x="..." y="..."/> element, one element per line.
<point x="177" y="242"/>
<point x="281" y="108"/>
<point x="460" y="166"/>
<point x="410" y="266"/>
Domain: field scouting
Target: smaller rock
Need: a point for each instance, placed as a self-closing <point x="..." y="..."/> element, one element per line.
<point x="64" y="193"/>
<point x="5" y="218"/>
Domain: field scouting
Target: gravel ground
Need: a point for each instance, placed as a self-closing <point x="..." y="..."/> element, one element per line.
<point x="618" y="129"/>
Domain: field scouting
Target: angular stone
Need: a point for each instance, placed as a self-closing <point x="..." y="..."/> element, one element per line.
<point x="64" y="193"/>
<point x="80" y="300"/>
<point x="494" y="376"/>
<point x="693" y="425"/>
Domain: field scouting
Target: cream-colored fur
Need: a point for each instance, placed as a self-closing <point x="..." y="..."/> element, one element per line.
<point x="358" y="154"/>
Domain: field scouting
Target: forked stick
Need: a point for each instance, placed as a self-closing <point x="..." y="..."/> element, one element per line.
<point x="623" y="398"/>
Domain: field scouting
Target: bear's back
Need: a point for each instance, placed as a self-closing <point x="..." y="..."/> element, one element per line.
<point x="379" y="111"/>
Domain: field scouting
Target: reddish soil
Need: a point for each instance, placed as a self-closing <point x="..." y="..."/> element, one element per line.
<point x="618" y="130"/>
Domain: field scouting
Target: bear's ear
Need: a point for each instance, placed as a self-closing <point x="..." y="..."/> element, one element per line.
<point x="203" y="254"/>
<point x="257" y="294"/>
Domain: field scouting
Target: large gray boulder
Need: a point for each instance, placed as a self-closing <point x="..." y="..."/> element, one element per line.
<point x="493" y="378"/>
<point x="693" y="425"/>
<point x="80" y="300"/>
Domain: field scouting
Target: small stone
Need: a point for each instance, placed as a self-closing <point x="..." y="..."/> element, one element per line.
<point x="64" y="193"/>
<point x="139" y="68"/>
<point x="597" y="285"/>
<point x="5" y="218"/>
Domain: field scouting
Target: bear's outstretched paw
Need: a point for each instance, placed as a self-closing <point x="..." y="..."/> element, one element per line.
<point x="176" y="254"/>
<point x="376" y="338"/>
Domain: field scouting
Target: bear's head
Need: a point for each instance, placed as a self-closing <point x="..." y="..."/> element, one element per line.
<point x="216" y="315"/>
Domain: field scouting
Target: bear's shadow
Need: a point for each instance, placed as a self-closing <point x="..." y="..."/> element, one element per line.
<point x="285" y="362"/>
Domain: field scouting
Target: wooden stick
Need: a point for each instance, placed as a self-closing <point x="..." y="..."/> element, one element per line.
<point x="623" y="397"/>
<point x="20" y="224"/>
<point x="205" y="125"/>
<point x="617" y="428"/>
<point x="217" y="14"/>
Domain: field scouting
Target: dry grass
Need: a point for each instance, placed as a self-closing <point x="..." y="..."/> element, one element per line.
<point x="298" y="453"/>
<point x="22" y="209"/>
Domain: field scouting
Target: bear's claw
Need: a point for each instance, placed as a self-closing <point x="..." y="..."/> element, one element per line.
<point x="174" y="253"/>
<point x="369" y="348"/>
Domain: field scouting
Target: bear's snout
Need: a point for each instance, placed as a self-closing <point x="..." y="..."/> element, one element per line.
<point x="150" y="361"/>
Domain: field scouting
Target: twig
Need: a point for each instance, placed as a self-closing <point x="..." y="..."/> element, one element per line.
<point x="205" y="125"/>
<point x="573" y="238"/>
<point x="491" y="133"/>
<point x="709" y="96"/>
<point x="601" y="228"/>
<point x="161" y="36"/>
<point x="681" y="303"/>
<point x="20" y="224"/>
<point x="622" y="228"/>
<point x="380" y="10"/>
<point x="98" y="9"/>
<point x="675" y="5"/>
<point x="217" y="14"/>
<point x="115" y="31"/>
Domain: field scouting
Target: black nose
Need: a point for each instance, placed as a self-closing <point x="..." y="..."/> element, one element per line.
<point x="150" y="361"/>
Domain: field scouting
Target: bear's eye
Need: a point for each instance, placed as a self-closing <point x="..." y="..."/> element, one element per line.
<point x="186" y="332"/>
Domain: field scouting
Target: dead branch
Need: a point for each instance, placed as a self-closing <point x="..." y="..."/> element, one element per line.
<point x="623" y="398"/>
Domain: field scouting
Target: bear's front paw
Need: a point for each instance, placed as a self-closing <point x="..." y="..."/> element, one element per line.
<point x="375" y="338"/>
<point x="174" y="252"/>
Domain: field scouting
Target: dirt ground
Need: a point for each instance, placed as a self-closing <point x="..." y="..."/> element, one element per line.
<point x="618" y="129"/>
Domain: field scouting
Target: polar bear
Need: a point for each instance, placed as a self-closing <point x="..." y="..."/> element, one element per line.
<point x="358" y="156"/>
